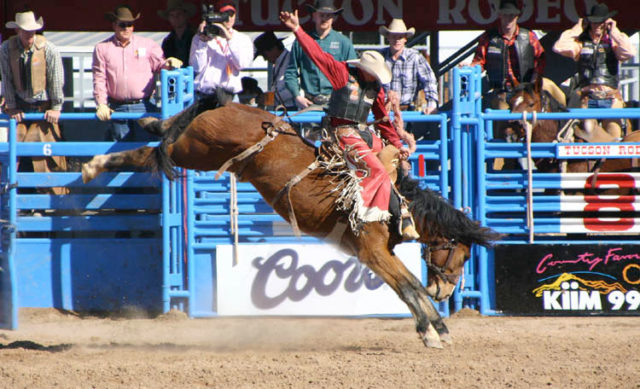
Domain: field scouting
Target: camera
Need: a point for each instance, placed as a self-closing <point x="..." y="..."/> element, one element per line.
<point x="210" y="16"/>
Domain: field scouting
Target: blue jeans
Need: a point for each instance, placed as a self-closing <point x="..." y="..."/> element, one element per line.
<point x="600" y="103"/>
<point x="130" y="130"/>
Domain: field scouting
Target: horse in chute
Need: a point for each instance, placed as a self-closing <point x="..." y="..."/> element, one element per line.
<point x="531" y="98"/>
<point x="263" y="149"/>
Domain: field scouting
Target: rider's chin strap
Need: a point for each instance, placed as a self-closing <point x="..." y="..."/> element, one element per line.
<point x="528" y="128"/>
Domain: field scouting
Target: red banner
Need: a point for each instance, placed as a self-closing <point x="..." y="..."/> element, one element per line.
<point x="358" y="15"/>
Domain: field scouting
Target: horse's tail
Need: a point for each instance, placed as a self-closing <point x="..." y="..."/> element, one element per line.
<point x="170" y="129"/>
<point x="436" y="216"/>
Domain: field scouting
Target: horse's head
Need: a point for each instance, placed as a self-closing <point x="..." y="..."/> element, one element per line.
<point x="445" y="260"/>
<point x="448" y="233"/>
<point x="525" y="97"/>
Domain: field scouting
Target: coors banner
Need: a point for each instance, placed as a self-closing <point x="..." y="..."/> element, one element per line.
<point x="358" y="15"/>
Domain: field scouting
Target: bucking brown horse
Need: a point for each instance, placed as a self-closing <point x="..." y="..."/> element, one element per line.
<point x="263" y="149"/>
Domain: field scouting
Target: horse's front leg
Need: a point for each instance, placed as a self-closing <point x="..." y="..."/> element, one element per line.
<point x="115" y="161"/>
<point x="374" y="253"/>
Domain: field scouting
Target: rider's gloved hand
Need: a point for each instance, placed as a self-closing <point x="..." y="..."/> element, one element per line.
<point x="103" y="112"/>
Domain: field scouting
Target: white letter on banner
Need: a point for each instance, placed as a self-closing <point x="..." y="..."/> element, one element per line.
<point x="445" y="14"/>
<point x="476" y="14"/>
<point x="393" y="8"/>
<point x="543" y="11"/>
<point x="272" y="12"/>
<point x="570" y="10"/>
<point x="527" y="11"/>
<point x="367" y="12"/>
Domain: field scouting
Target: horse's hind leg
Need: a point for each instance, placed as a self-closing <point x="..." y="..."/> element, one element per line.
<point x="115" y="161"/>
<point x="388" y="267"/>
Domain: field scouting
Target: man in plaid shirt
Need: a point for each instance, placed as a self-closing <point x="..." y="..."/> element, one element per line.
<point x="410" y="70"/>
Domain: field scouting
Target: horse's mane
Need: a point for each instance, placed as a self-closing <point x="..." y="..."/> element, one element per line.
<point x="436" y="216"/>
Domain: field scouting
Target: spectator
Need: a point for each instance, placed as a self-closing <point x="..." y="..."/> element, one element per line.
<point x="217" y="58"/>
<point x="32" y="80"/>
<point x="509" y="54"/>
<point x="314" y="84"/>
<point x="123" y="75"/>
<point x="178" y="43"/>
<point x="410" y="70"/>
<point x="598" y="46"/>
<point x="272" y="49"/>
<point x="356" y="92"/>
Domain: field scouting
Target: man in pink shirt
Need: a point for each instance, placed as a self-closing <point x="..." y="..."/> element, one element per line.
<point x="356" y="92"/>
<point x="123" y="75"/>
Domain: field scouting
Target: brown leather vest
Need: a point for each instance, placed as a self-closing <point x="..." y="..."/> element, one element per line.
<point x="38" y="64"/>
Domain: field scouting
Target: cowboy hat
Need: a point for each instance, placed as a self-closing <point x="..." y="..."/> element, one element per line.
<point x="373" y="63"/>
<point x="122" y="13"/>
<point x="188" y="8"/>
<point x="264" y="42"/>
<point x="26" y="21"/>
<point x="509" y="7"/>
<point x="324" y="6"/>
<point x="397" y="26"/>
<point x="599" y="13"/>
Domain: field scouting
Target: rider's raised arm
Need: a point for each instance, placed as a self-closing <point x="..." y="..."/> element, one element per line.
<point x="335" y="71"/>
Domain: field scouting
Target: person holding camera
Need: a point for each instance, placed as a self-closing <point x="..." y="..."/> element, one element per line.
<point x="598" y="47"/>
<point x="219" y="52"/>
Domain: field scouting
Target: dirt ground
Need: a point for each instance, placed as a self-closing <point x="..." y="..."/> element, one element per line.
<point x="53" y="349"/>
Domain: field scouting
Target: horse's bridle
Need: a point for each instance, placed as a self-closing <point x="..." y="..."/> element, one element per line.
<point x="450" y="245"/>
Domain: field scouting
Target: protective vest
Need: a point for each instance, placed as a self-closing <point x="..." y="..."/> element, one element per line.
<point x="498" y="56"/>
<point x="354" y="100"/>
<point x="38" y="64"/>
<point x="598" y="64"/>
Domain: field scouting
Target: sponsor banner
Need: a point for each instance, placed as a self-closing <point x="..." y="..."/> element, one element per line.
<point x="357" y="15"/>
<point x="305" y="279"/>
<point x="588" y="150"/>
<point x="568" y="279"/>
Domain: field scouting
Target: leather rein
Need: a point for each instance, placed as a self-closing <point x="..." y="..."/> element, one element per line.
<point x="440" y="271"/>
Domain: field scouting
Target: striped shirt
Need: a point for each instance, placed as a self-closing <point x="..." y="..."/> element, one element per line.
<point x="55" y="79"/>
<point x="411" y="73"/>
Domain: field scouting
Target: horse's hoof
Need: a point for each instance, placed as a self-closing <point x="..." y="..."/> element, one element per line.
<point x="446" y="338"/>
<point x="432" y="343"/>
<point x="145" y="121"/>
<point x="431" y="338"/>
<point x="87" y="174"/>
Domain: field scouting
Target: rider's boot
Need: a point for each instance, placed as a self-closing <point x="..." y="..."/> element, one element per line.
<point x="407" y="226"/>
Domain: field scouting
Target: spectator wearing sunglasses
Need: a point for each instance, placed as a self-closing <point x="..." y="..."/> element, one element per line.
<point x="124" y="66"/>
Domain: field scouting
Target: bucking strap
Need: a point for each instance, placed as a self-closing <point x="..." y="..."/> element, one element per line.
<point x="287" y="189"/>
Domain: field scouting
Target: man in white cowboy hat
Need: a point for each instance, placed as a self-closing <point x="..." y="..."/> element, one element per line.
<point x="178" y="43"/>
<point x="411" y="73"/>
<point x="356" y="92"/>
<point x="32" y="80"/>
<point x="124" y="66"/>
<point x="598" y="47"/>
<point x="302" y="77"/>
